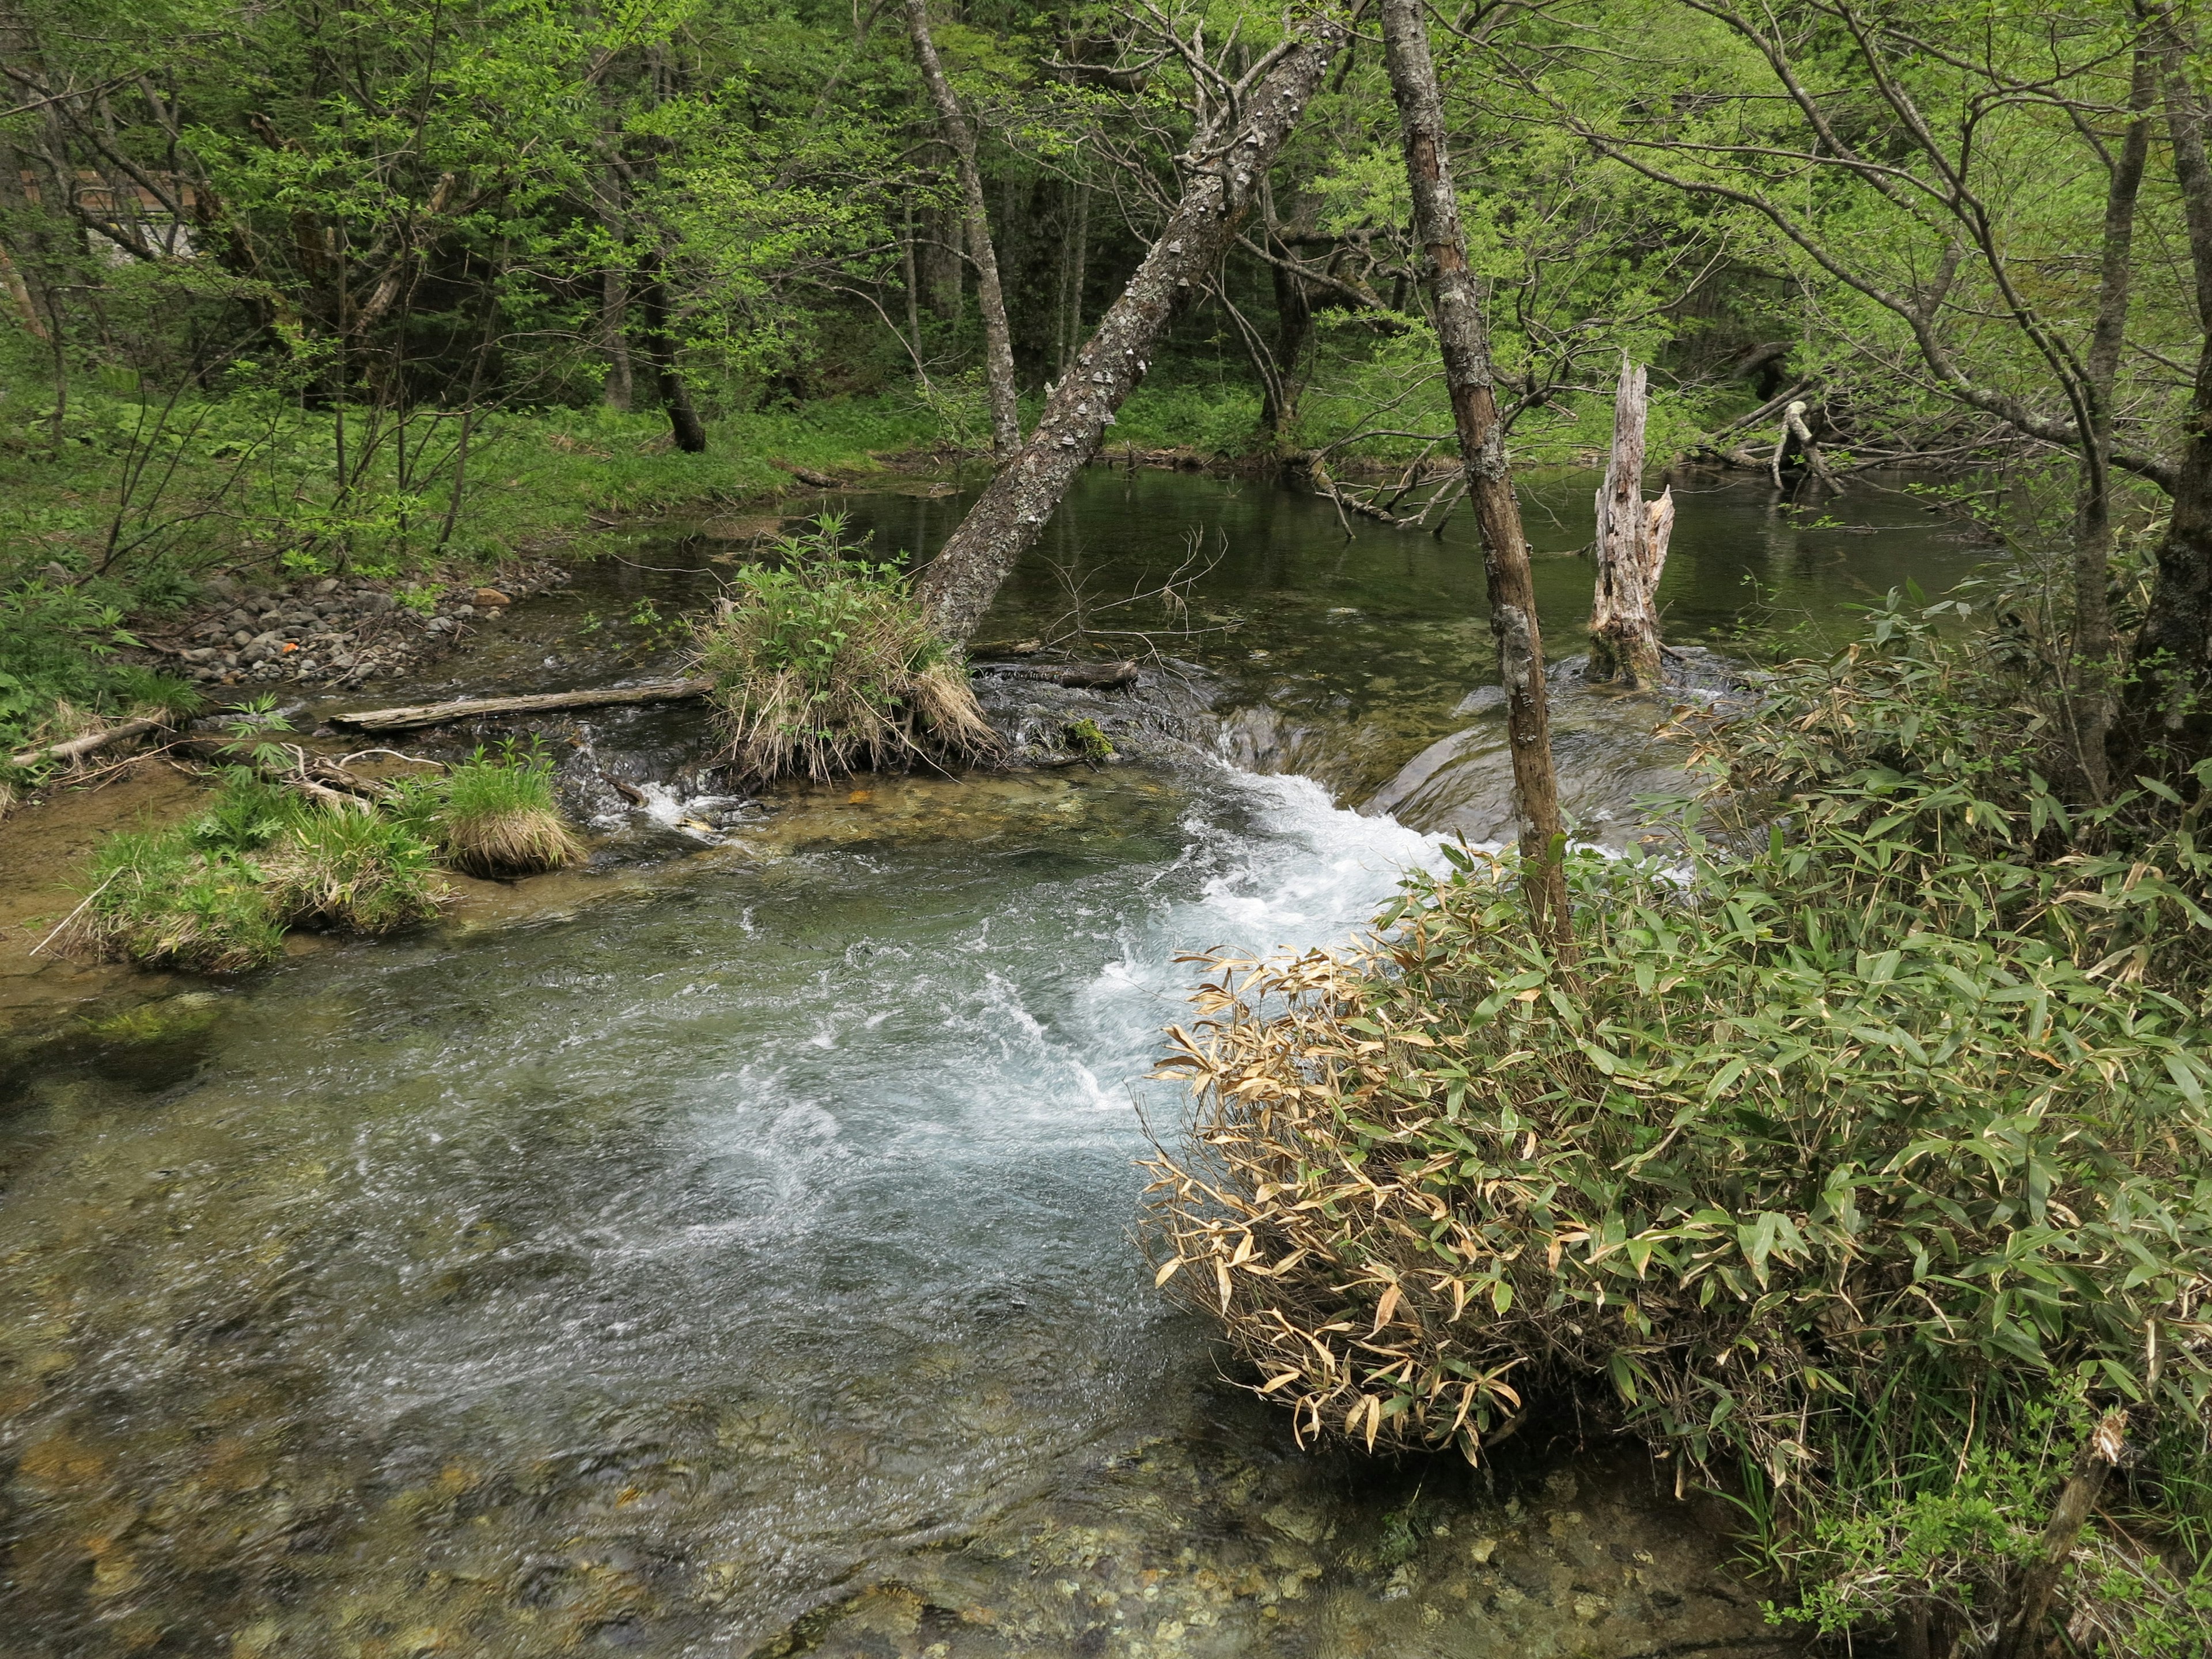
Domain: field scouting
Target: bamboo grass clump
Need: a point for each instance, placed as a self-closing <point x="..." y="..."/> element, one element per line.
<point x="497" y="816"/>
<point x="1863" y="1165"/>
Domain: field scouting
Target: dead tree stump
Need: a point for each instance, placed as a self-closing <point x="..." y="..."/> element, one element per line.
<point x="1632" y="550"/>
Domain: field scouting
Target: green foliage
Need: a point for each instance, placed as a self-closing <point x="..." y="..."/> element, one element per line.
<point x="57" y="651"/>
<point x="1861" y="1160"/>
<point x="823" y="663"/>
<point x="216" y="894"/>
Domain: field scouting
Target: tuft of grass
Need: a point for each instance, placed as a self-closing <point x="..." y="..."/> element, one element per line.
<point x="824" y="665"/>
<point x="342" y="867"/>
<point x="497" y="816"/>
<point x="159" y="902"/>
<point x="217" y="895"/>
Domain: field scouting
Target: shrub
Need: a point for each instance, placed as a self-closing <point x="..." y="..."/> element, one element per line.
<point x="57" y="655"/>
<point x="823" y="664"/>
<point x="1865" y="1167"/>
<point x="497" y="816"/>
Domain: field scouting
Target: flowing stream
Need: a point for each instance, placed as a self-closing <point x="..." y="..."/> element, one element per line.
<point x="730" y="1254"/>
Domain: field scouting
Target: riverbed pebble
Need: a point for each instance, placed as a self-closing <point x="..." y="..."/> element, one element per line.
<point x="338" y="628"/>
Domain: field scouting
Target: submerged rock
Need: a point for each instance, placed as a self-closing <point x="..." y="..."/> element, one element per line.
<point x="1606" y="746"/>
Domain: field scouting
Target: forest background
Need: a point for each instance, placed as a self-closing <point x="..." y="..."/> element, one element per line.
<point x="376" y="288"/>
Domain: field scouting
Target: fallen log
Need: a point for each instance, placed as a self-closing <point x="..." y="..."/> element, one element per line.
<point x="88" y="743"/>
<point x="445" y="714"/>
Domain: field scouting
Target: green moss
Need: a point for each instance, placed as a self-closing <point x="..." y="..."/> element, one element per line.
<point x="1088" y="741"/>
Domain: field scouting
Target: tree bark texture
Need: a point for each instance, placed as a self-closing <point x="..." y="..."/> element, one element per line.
<point x="1074" y="267"/>
<point x="957" y="586"/>
<point x="2096" y="644"/>
<point x="614" y="309"/>
<point x="960" y="137"/>
<point x="1293" y="329"/>
<point x="2020" y="1636"/>
<point x="1630" y="549"/>
<point x="659" y="342"/>
<point x="2165" y="718"/>
<point x="1466" y="348"/>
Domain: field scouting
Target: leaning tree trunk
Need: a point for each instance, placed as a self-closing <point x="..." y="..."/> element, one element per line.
<point x="1630" y="549"/>
<point x="998" y="340"/>
<point x="1466" y="349"/>
<point x="958" y="587"/>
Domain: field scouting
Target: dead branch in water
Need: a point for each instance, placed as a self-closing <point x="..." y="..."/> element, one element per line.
<point x="445" y="714"/>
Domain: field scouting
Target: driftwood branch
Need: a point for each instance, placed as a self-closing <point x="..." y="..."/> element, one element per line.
<point x="90" y="743"/>
<point x="445" y="714"/>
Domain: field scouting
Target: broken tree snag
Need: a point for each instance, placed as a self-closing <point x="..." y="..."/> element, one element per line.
<point x="1631" y="548"/>
<point x="1795" y="439"/>
<point x="959" y="585"/>
<point x="997" y="339"/>
<point x="445" y="714"/>
<point x="1466" y="351"/>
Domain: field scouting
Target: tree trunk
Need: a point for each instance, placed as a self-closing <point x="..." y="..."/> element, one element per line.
<point x="660" y="342"/>
<point x="614" y="313"/>
<point x="447" y="714"/>
<point x="2165" y="723"/>
<point x="959" y="584"/>
<point x="997" y="341"/>
<point x="1078" y="269"/>
<point x="1630" y="549"/>
<point x="1293" y="328"/>
<point x="2020" y="1635"/>
<point x="2095" y="645"/>
<point x="1466" y="349"/>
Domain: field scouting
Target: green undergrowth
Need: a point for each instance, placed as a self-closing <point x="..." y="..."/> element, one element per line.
<point x="123" y="519"/>
<point x="1864" y="1158"/>
<point x="823" y="665"/>
<point x="218" y="894"/>
<point x="60" y="673"/>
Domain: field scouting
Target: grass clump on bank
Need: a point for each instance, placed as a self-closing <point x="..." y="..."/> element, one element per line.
<point x="218" y="894"/>
<point x="1867" y="1171"/>
<point x="824" y="665"/>
<point x="495" y="815"/>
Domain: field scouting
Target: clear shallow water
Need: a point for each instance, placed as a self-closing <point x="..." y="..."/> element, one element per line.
<point x="748" y="1244"/>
